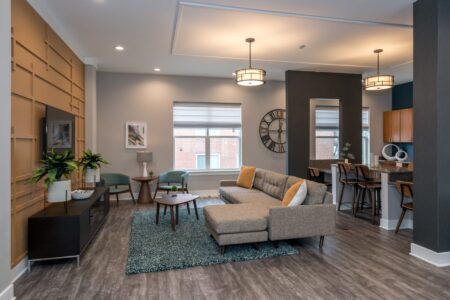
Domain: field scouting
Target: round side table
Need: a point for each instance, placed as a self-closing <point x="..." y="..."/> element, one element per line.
<point x="144" y="192"/>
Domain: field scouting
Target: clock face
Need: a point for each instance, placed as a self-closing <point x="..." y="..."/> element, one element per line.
<point x="272" y="130"/>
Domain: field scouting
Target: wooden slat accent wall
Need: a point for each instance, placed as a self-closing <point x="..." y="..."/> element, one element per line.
<point x="44" y="72"/>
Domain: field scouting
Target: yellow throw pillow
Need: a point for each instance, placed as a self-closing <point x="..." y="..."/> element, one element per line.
<point x="246" y="177"/>
<point x="295" y="195"/>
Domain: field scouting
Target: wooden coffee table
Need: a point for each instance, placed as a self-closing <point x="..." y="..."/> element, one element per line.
<point x="170" y="201"/>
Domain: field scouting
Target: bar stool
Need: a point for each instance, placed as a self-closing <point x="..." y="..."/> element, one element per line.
<point x="344" y="178"/>
<point x="367" y="183"/>
<point x="314" y="175"/>
<point x="405" y="188"/>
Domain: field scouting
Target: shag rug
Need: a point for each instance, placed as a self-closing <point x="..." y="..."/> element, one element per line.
<point x="154" y="248"/>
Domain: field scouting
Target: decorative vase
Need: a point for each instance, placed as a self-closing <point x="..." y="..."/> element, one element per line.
<point x="92" y="175"/>
<point x="59" y="191"/>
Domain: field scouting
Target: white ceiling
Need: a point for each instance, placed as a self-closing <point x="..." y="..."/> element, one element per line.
<point x="207" y="38"/>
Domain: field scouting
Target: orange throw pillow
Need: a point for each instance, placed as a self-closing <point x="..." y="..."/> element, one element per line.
<point x="246" y="176"/>
<point x="295" y="195"/>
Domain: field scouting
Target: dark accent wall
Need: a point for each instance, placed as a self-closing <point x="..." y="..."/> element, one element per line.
<point x="303" y="86"/>
<point x="402" y="96"/>
<point x="432" y="124"/>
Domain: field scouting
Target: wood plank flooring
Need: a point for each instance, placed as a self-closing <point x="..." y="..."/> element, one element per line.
<point x="361" y="262"/>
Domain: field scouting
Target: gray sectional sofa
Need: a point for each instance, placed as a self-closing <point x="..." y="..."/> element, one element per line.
<point x="255" y="215"/>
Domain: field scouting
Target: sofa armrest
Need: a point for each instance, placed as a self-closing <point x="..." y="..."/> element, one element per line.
<point x="228" y="183"/>
<point x="301" y="221"/>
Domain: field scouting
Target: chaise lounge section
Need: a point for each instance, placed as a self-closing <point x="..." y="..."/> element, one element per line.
<point x="256" y="215"/>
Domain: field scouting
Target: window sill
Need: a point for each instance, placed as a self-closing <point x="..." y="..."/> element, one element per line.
<point x="212" y="172"/>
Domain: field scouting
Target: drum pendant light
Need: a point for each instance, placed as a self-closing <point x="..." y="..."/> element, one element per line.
<point x="378" y="82"/>
<point x="250" y="76"/>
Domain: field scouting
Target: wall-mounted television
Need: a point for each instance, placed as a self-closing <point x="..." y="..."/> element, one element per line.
<point x="58" y="131"/>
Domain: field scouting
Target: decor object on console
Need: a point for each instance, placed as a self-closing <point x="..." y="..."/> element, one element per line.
<point x="144" y="157"/>
<point x="250" y="76"/>
<point x="345" y="153"/>
<point x="378" y="82"/>
<point x="136" y="135"/>
<point x="81" y="194"/>
<point x="91" y="163"/>
<point x="272" y="130"/>
<point x="56" y="166"/>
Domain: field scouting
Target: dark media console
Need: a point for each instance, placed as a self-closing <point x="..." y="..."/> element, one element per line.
<point x="64" y="230"/>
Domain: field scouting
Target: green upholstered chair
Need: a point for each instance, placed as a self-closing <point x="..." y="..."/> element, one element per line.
<point x="166" y="180"/>
<point x="117" y="183"/>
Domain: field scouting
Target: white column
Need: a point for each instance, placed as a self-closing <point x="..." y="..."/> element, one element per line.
<point x="6" y="287"/>
<point x="90" y="72"/>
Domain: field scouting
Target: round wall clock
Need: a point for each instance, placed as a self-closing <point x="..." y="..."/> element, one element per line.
<point x="272" y="130"/>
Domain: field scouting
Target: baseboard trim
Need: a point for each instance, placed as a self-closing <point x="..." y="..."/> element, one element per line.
<point x="392" y="224"/>
<point x="439" y="259"/>
<point x="8" y="293"/>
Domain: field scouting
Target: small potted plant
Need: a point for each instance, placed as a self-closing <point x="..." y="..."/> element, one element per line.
<point x="56" y="166"/>
<point x="91" y="163"/>
<point x="151" y="174"/>
<point x="346" y="154"/>
<point x="174" y="190"/>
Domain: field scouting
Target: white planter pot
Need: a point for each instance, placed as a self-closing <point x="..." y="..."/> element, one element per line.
<point x="59" y="190"/>
<point x="92" y="175"/>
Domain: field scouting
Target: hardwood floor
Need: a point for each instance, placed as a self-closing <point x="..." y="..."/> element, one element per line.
<point x="361" y="262"/>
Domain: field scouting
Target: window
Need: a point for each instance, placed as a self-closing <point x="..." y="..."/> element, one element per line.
<point x="207" y="136"/>
<point x="365" y="136"/>
<point x="327" y="132"/>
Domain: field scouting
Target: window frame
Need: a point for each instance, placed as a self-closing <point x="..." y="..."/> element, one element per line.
<point x="208" y="153"/>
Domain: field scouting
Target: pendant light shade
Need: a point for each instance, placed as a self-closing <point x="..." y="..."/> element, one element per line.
<point x="378" y="82"/>
<point x="250" y="76"/>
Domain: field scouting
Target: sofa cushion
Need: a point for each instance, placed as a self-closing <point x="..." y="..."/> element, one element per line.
<point x="236" y="218"/>
<point x="316" y="191"/>
<point x="230" y="192"/>
<point x="295" y="195"/>
<point x="259" y="198"/>
<point x="274" y="184"/>
<point x="259" y="179"/>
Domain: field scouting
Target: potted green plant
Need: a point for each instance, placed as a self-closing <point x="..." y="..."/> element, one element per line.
<point x="151" y="173"/>
<point x="346" y="154"/>
<point x="56" y="167"/>
<point x="91" y="164"/>
<point x="174" y="190"/>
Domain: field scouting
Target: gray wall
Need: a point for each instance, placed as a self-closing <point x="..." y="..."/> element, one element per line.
<point x="303" y="86"/>
<point x="5" y="149"/>
<point x="132" y="97"/>
<point x="432" y="124"/>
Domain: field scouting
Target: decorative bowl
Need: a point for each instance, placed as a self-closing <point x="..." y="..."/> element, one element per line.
<point x="82" y="194"/>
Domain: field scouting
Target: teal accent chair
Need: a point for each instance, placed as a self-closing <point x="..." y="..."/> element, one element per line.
<point x="166" y="180"/>
<point x="117" y="183"/>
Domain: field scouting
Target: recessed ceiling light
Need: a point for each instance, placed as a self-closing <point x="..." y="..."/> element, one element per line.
<point x="156" y="69"/>
<point x="119" y="48"/>
<point x="301" y="47"/>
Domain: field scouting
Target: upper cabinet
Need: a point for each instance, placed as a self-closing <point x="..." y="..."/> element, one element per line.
<point x="398" y="126"/>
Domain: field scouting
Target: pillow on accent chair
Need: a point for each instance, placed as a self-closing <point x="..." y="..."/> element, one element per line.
<point x="295" y="195"/>
<point x="246" y="177"/>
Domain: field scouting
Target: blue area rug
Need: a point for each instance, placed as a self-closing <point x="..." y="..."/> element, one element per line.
<point x="154" y="248"/>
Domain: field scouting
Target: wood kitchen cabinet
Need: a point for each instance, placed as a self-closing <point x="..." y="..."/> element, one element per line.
<point x="398" y="126"/>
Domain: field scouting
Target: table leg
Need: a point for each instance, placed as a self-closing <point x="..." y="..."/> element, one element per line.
<point x="172" y="221"/>
<point x="195" y="207"/>
<point x="176" y="208"/>
<point x="188" y="208"/>
<point x="157" y="213"/>
<point x="144" y="193"/>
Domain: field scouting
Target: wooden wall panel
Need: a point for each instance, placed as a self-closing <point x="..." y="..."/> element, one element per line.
<point x="44" y="72"/>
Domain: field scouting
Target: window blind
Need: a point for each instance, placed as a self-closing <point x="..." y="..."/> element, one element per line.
<point x="217" y="115"/>
<point x="328" y="117"/>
